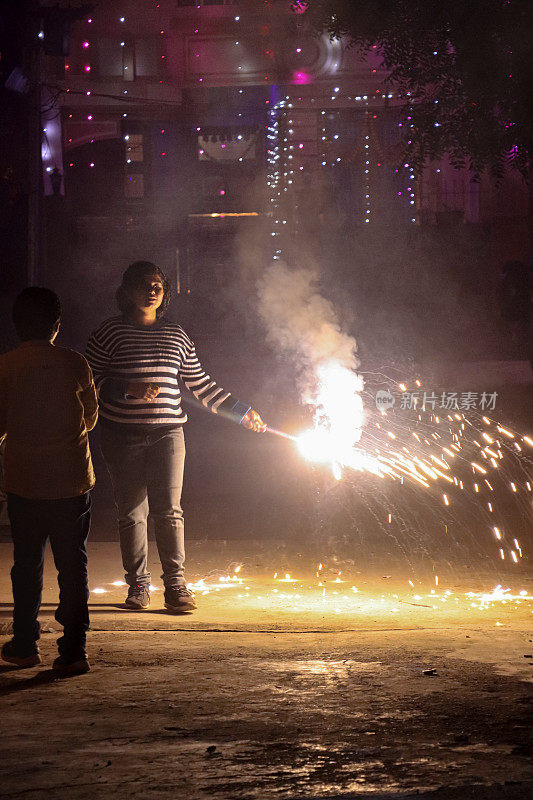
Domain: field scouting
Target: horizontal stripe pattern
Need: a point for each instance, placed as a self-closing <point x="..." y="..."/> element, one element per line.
<point x="161" y="354"/>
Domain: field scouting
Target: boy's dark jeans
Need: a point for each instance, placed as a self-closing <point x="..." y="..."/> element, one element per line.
<point x="66" y="523"/>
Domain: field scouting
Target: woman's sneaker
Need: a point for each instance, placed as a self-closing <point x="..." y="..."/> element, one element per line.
<point x="138" y="597"/>
<point x="179" y="598"/>
<point x="14" y="655"/>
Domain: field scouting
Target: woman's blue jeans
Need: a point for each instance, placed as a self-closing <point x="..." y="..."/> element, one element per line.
<point x="146" y="469"/>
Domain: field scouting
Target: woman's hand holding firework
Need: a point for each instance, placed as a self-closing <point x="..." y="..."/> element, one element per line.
<point x="253" y="421"/>
<point x="143" y="391"/>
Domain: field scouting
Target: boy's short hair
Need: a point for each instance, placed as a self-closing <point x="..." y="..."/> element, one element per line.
<point x="36" y="311"/>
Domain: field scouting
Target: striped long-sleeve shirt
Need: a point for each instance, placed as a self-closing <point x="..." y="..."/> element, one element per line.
<point x="120" y="353"/>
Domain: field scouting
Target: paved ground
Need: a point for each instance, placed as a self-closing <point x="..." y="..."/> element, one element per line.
<point x="279" y="688"/>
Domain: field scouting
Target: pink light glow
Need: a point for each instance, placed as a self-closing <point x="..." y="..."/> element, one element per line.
<point x="90" y="117"/>
<point x="299" y="77"/>
<point x="86" y="44"/>
<point x="87" y="67"/>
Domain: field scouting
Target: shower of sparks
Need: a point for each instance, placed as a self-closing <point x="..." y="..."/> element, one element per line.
<point x="463" y="453"/>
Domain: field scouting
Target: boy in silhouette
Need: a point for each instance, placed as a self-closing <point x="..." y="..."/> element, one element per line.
<point x="47" y="405"/>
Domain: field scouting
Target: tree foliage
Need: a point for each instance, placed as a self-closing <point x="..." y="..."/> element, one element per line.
<point x="463" y="67"/>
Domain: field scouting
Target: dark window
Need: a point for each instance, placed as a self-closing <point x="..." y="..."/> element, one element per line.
<point x="110" y="58"/>
<point x="94" y="176"/>
<point x="147" y="58"/>
<point x="121" y="58"/>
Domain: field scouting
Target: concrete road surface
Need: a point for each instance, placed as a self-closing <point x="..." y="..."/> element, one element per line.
<point x="294" y="686"/>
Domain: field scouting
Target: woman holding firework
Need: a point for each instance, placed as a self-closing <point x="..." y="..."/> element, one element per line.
<point x="137" y="358"/>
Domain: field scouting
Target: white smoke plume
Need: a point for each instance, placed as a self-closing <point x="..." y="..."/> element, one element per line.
<point x="303" y="326"/>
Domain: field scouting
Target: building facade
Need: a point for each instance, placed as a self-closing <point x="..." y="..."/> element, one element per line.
<point x="186" y="120"/>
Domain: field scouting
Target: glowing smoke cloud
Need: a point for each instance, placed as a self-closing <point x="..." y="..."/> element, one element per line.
<point x="303" y="324"/>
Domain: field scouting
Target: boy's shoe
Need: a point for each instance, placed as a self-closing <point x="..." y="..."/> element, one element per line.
<point x="71" y="665"/>
<point x="179" y="598"/>
<point x="138" y="597"/>
<point x="12" y="655"/>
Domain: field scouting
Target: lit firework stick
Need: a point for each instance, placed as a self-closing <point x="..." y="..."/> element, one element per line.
<point x="274" y="431"/>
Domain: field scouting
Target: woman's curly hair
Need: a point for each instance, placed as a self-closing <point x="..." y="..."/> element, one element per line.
<point x="132" y="280"/>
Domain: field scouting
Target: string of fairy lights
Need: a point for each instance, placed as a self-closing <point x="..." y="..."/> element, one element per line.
<point x="287" y="155"/>
<point x="280" y="169"/>
<point x="286" y="160"/>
